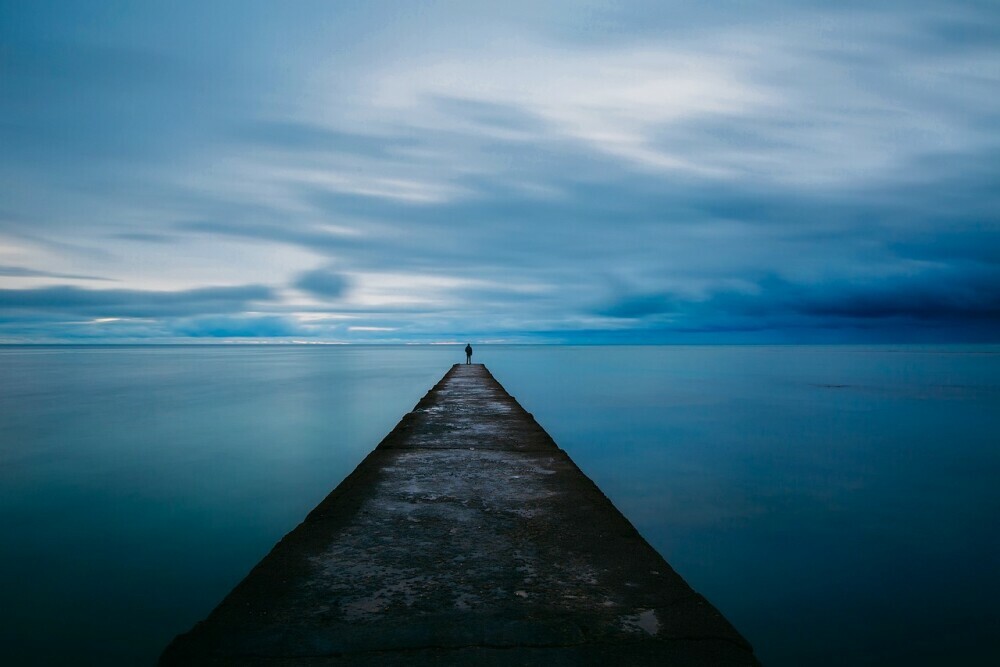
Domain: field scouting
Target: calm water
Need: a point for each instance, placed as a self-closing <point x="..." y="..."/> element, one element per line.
<point x="838" y="504"/>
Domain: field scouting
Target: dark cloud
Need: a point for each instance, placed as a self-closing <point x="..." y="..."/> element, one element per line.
<point x="927" y="298"/>
<point x="132" y="303"/>
<point x="323" y="283"/>
<point x="934" y="298"/>
<point x="21" y="272"/>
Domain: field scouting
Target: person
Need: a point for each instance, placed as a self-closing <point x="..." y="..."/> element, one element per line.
<point x="468" y="353"/>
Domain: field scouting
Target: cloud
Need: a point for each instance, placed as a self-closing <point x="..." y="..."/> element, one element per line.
<point x="322" y="283"/>
<point x="132" y="303"/>
<point x="935" y="298"/>
<point x="639" y="306"/>
<point x="807" y="101"/>
<point x="932" y="297"/>
<point x="22" y="272"/>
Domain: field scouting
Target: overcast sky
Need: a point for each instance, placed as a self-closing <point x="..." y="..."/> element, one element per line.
<point x="517" y="171"/>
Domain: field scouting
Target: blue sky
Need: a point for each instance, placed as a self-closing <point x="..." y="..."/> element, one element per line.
<point x="517" y="171"/>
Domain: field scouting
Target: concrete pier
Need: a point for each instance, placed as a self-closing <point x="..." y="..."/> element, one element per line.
<point x="467" y="537"/>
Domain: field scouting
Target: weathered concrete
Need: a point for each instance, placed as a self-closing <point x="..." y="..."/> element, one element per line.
<point x="466" y="537"/>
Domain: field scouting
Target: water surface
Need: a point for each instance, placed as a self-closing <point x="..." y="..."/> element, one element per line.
<point x="837" y="503"/>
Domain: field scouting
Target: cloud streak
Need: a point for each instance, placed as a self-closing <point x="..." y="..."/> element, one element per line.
<point x="132" y="303"/>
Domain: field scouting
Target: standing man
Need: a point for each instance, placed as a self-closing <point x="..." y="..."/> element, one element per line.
<point x="468" y="353"/>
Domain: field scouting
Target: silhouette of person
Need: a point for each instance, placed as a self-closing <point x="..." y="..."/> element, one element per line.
<point x="468" y="353"/>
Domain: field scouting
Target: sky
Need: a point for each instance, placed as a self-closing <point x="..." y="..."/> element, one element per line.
<point x="564" y="171"/>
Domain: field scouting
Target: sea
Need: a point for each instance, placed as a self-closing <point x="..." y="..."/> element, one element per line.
<point x="839" y="504"/>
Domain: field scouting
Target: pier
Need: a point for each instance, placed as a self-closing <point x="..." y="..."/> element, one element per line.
<point x="467" y="537"/>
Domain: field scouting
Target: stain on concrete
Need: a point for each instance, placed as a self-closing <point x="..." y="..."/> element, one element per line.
<point x="466" y="537"/>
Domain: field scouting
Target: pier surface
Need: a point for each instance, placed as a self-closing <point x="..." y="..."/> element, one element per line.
<point x="467" y="537"/>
